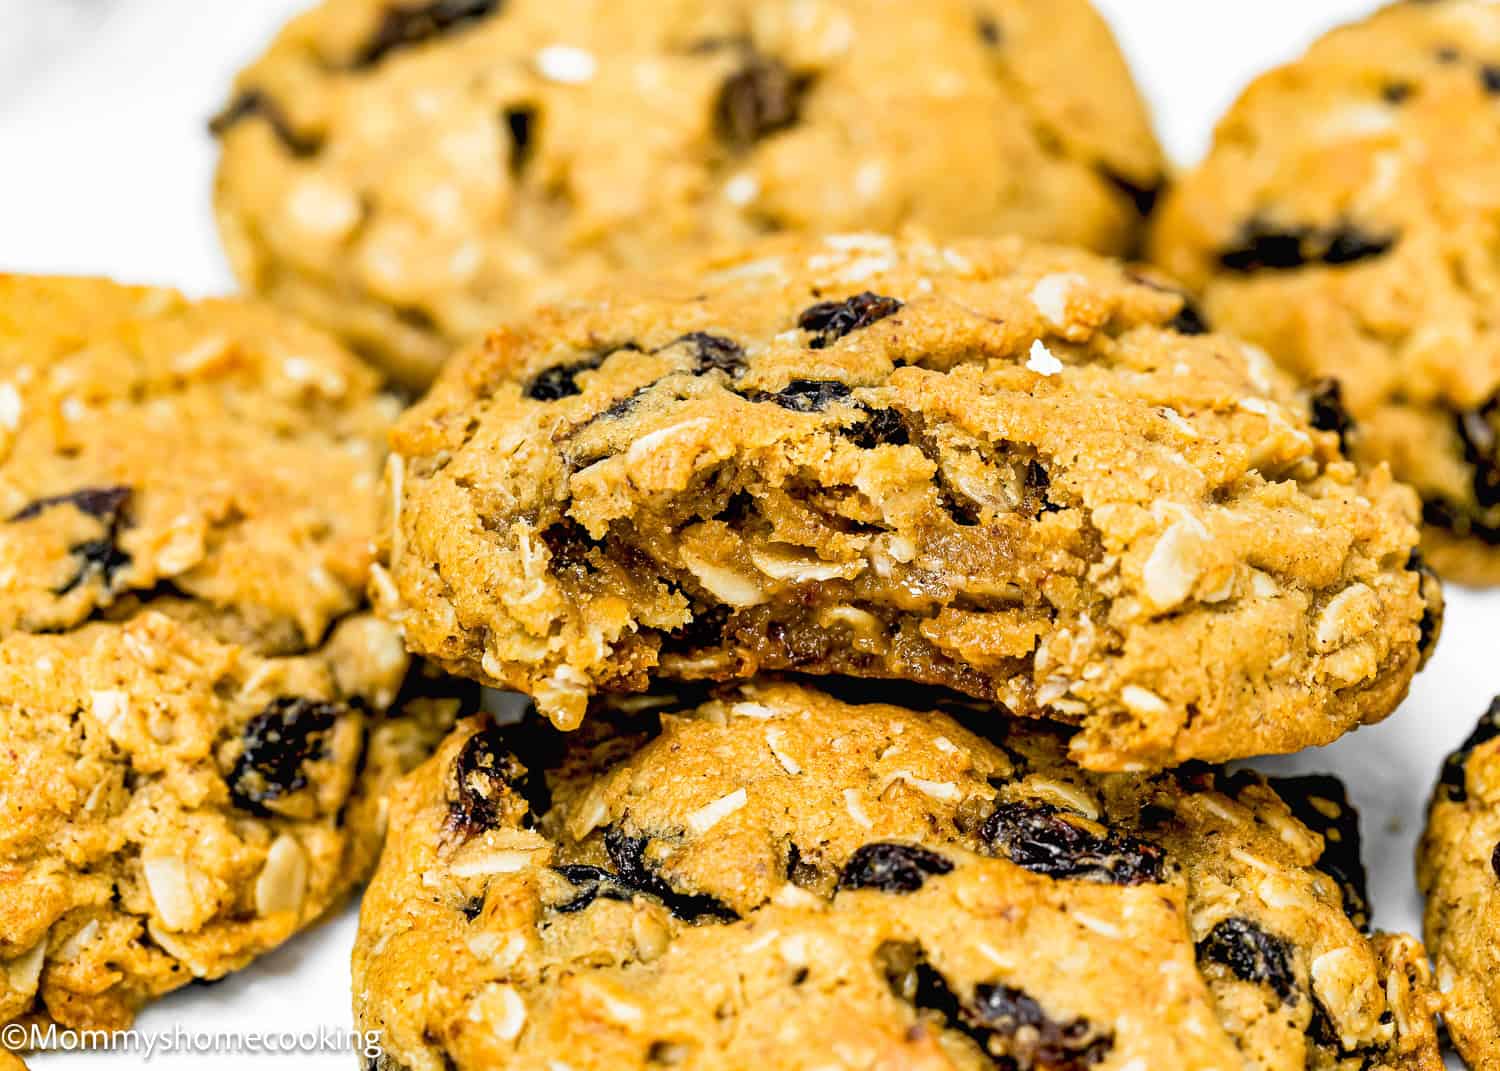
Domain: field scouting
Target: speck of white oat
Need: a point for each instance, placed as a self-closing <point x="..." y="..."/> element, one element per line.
<point x="10" y="406"/>
<point x="566" y="64"/>
<point x="856" y="810"/>
<point x="711" y="814"/>
<point x="1041" y="361"/>
<point x="1050" y="295"/>
<point x="742" y="189"/>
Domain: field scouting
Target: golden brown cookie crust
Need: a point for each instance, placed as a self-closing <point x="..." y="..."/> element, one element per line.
<point x="1459" y="871"/>
<point x="1345" y="220"/>
<point x="212" y="449"/>
<point x="407" y="179"/>
<point x="1003" y="468"/>
<point x="776" y="878"/>
<point x="175" y="806"/>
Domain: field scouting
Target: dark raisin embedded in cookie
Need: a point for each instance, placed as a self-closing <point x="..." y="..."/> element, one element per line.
<point x="1022" y="1034"/>
<point x="829" y="321"/>
<point x="758" y="100"/>
<point x="808" y="395"/>
<point x="1452" y="778"/>
<point x="277" y="745"/>
<point x="1190" y="320"/>
<point x="1265" y="246"/>
<point x="1489" y="77"/>
<point x="406" y="24"/>
<point x="1252" y="955"/>
<point x="1321" y="803"/>
<point x="102" y="503"/>
<point x="485" y="776"/>
<point x="1143" y="197"/>
<point x="1046" y="840"/>
<point x="1479" y="431"/>
<point x="715" y="353"/>
<point x="1325" y="400"/>
<point x="520" y="125"/>
<point x="257" y="104"/>
<point x="883" y="427"/>
<point x="633" y="874"/>
<point x="892" y="868"/>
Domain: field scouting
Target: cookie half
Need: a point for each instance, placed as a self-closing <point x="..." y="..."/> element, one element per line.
<point x="407" y="173"/>
<point x="175" y="806"/>
<point x="151" y="446"/>
<point x="1011" y="470"/>
<point x="1459" y="871"/>
<point x="1344" y="221"/>
<point x="779" y="878"/>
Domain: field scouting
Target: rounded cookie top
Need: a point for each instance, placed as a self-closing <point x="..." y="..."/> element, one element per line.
<point x="213" y="450"/>
<point x="405" y="173"/>
<point x="175" y="806"/>
<point x="1459" y="871"/>
<point x="1013" y="470"/>
<point x="779" y="878"/>
<point x="1343" y="220"/>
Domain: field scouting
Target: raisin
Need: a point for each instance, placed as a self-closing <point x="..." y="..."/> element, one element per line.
<point x="829" y="321"/>
<point x="1189" y="320"/>
<point x="1325" y="402"/>
<point x="278" y="743"/>
<point x="405" y="25"/>
<point x="484" y="773"/>
<point x="1431" y="590"/>
<point x="570" y="545"/>
<point x="520" y="124"/>
<point x="102" y="503"/>
<point x="1044" y="840"/>
<point x="1144" y="198"/>
<point x="1023" y="1032"/>
<point x="560" y="381"/>
<point x="1452" y="777"/>
<point x="473" y="907"/>
<point x="1264" y="246"/>
<point x="1495" y="860"/>
<point x="1348" y="245"/>
<point x="799" y="871"/>
<point x="758" y="100"/>
<point x="102" y="557"/>
<point x="990" y="30"/>
<point x="1489" y="77"/>
<point x="633" y="875"/>
<point x="1322" y="805"/>
<point x="1460" y="520"/>
<point x="713" y="352"/>
<point x="892" y="868"/>
<point x="1005" y="1023"/>
<point x="883" y="427"/>
<point x="1396" y="93"/>
<point x="706" y="628"/>
<point x="1479" y="431"/>
<point x="257" y="104"/>
<point x="1252" y="954"/>
<point x="807" y="395"/>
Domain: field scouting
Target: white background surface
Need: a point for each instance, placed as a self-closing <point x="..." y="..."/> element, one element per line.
<point x="105" y="167"/>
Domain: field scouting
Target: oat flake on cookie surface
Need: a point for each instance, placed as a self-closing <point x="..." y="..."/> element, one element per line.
<point x="1013" y="470"/>
<point x="776" y="878"/>
<point x="405" y="173"/>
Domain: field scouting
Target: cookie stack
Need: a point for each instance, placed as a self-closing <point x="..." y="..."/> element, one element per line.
<point x="889" y="587"/>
